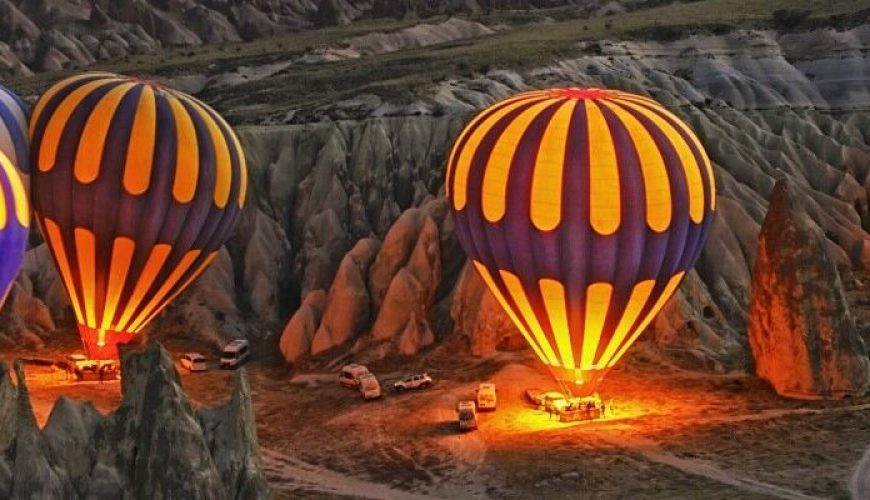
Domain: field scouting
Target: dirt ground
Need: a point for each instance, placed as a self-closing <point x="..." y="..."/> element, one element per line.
<point x="668" y="434"/>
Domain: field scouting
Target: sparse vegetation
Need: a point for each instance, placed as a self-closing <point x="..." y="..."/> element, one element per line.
<point x="525" y="45"/>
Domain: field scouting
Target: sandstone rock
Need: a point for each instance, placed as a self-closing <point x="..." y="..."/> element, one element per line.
<point x="231" y="435"/>
<point x="695" y="332"/>
<point x="405" y="298"/>
<point x="348" y="303"/>
<point x="35" y="472"/>
<point x="479" y="317"/>
<point x="802" y="335"/>
<point x="299" y="331"/>
<point x="395" y="251"/>
<point x="415" y="336"/>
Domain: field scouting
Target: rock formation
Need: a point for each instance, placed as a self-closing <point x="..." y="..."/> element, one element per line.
<point x="802" y="335"/>
<point x="153" y="446"/>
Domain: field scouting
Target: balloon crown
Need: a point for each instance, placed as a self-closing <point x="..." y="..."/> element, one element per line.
<point x="580" y="94"/>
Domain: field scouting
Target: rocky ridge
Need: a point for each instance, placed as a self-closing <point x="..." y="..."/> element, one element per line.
<point x="155" y="445"/>
<point x="801" y="331"/>
<point x="51" y="35"/>
<point x="765" y="106"/>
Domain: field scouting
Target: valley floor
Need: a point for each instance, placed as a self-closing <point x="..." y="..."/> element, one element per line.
<point x="669" y="434"/>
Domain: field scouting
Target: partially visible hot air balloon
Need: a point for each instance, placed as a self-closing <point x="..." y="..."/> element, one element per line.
<point x="582" y="210"/>
<point x="14" y="142"/>
<point x="14" y="224"/>
<point x="135" y="187"/>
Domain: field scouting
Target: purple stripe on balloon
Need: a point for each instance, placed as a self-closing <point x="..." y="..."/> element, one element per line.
<point x="107" y="189"/>
<point x="575" y="235"/>
<point x="143" y="216"/>
<point x="538" y="250"/>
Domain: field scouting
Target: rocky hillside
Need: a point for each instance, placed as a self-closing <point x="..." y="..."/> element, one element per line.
<point x="346" y="220"/>
<point x="790" y="106"/>
<point x="153" y="446"/>
<point x="50" y="35"/>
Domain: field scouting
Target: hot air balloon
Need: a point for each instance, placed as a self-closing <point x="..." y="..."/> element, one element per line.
<point x="135" y="187"/>
<point x="14" y="224"/>
<point x="14" y="142"/>
<point x="582" y="210"/>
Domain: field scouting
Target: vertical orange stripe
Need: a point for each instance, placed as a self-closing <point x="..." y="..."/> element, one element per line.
<point x="86" y="250"/>
<point x="691" y="168"/>
<point x="140" y="151"/>
<point x="187" y="153"/>
<point x="55" y="240"/>
<point x="122" y="255"/>
<point x="689" y="133"/>
<point x="518" y="294"/>
<point x="605" y="210"/>
<point x="54" y="90"/>
<point x="656" y="183"/>
<point x="171" y="280"/>
<point x="557" y="310"/>
<point x="146" y="280"/>
<point x="208" y="260"/>
<point x="3" y="214"/>
<point x="89" y="154"/>
<point x="468" y="128"/>
<point x="546" y="196"/>
<point x="223" y="163"/>
<point x="466" y="156"/>
<point x="19" y="194"/>
<point x="597" y="304"/>
<point x="58" y="120"/>
<point x="669" y="290"/>
<point x="495" y="176"/>
<point x="243" y="163"/>
<point x="500" y="298"/>
<point x="639" y="297"/>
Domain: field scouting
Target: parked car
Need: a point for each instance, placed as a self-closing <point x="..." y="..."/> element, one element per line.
<point x="486" y="398"/>
<point x="369" y="386"/>
<point x="350" y="375"/>
<point x="235" y="354"/>
<point x="549" y="400"/>
<point x="467" y="415"/>
<point x="419" y="381"/>
<point x="194" y="362"/>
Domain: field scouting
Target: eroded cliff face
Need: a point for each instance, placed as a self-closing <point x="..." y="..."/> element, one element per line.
<point x="762" y="114"/>
<point x="155" y="445"/>
<point x="765" y="106"/>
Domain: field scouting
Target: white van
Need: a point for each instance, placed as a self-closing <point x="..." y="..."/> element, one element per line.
<point x="350" y="374"/>
<point x="467" y="416"/>
<point x="235" y="354"/>
<point x="486" y="398"/>
<point x="369" y="386"/>
<point x="193" y="362"/>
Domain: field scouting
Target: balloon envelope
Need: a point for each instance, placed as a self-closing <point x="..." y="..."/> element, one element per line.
<point x="14" y="142"/>
<point x="582" y="210"/>
<point x="135" y="187"/>
<point x="14" y="224"/>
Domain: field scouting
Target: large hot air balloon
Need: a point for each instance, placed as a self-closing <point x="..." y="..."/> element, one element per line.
<point x="14" y="224"/>
<point x="135" y="187"/>
<point x="14" y="142"/>
<point x="582" y="210"/>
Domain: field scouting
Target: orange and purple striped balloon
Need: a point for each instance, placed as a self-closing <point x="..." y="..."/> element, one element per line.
<point x="582" y="210"/>
<point x="135" y="187"/>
